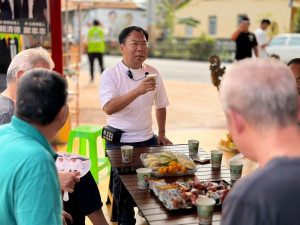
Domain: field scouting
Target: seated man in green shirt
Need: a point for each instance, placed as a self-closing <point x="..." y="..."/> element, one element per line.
<point x="30" y="189"/>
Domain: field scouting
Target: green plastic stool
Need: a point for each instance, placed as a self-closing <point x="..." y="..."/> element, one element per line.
<point x="90" y="134"/>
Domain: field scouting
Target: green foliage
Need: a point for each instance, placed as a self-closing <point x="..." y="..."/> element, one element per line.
<point x="189" y="21"/>
<point x="296" y="22"/>
<point x="202" y="47"/>
<point x="174" y="49"/>
<point x="165" y="13"/>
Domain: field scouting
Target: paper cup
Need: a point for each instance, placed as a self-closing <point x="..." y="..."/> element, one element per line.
<point x="216" y="158"/>
<point x="154" y="77"/>
<point x="193" y="147"/>
<point x="236" y="169"/>
<point x="205" y="209"/>
<point x="126" y="151"/>
<point x="144" y="175"/>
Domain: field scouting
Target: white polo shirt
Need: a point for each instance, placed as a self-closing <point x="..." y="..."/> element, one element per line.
<point x="136" y="119"/>
<point x="261" y="39"/>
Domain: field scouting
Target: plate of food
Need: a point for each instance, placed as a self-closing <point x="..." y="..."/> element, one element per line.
<point x="168" y="164"/>
<point x="226" y="144"/>
<point x="183" y="195"/>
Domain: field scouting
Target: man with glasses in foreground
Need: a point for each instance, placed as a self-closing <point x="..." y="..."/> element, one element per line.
<point x="245" y="41"/>
<point x="127" y="97"/>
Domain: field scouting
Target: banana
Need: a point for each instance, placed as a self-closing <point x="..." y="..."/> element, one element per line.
<point x="155" y="168"/>
<point x="151" y="156"/>
<point x="154" y="164"/>
<point x="148" y="161"/>
<point x="189" y="164"/>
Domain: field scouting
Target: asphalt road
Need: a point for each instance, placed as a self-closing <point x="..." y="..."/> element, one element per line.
<point x="171" y="69"/>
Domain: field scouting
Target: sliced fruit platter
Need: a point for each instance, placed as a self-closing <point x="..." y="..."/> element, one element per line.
<point x="168" y="164"/>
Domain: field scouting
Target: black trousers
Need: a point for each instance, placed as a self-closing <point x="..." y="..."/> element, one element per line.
<point x="92" y="57"/>
<point x="85" y="200"/>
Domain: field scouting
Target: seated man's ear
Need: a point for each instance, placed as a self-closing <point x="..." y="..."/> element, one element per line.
<point x="62" y="115"/>
<point x="19" y="74"/>
<point x="236" y="122"/>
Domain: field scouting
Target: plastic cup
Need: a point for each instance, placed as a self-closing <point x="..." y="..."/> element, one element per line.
<point x="205" y="209"/>
<point x="236" y="169"/>
<point x="154" y="76"/>
<point x="126" y="151"/>
<point x="216" y="158"/>
<point x="144" y="175"/>
<point x="193" y="147"/>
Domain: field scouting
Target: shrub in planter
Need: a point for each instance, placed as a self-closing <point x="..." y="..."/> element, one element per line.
<point x="202" y="47"/>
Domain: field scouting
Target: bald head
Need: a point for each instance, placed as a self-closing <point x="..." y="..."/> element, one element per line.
<point x="263" y="91"/>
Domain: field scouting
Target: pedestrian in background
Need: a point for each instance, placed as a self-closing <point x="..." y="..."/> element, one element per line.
<point x="261" y="38"/>
<point x="245" y="41"/>
<point x="95" y="47"/>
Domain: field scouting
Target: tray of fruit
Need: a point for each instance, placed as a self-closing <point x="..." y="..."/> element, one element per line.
<point x="168" y="164"/>
<point x="184" y="195"/>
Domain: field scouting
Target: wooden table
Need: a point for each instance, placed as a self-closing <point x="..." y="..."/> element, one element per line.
<point x="153" y="210"/>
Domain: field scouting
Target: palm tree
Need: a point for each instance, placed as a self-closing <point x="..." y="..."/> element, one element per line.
<point x="167" y="19"/>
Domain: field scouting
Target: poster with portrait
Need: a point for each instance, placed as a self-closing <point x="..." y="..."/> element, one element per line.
<point x="24" y="17"/>
<point x="111" y="20"/>
<point x="73" y="163"/>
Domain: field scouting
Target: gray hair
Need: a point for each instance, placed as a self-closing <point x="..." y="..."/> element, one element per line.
<point x="26" y="60"/>
<point x="263" y="91"/>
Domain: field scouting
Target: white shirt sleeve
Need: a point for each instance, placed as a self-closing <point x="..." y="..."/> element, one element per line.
<point x="107" y="87"/>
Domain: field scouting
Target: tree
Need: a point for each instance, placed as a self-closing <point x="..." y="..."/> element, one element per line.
<point x="296" y="22"/>
<point x="167" y="19"/>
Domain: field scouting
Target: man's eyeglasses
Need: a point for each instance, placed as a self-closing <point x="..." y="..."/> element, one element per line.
<point x="136" y="44"/>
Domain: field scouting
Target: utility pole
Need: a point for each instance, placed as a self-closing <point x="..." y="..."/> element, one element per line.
<point x="151" y="25"/>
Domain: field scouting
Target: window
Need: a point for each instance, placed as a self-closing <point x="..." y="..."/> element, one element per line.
<point x="278" y="41"/>
<point x="212" y="25"/>
<point x="188" y="31"/>
<point x="294" y="41"/>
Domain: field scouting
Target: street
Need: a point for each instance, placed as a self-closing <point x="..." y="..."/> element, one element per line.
<point x="170" y="69"/>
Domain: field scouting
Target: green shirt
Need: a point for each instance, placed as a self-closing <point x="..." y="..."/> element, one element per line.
<point x="29" y="190"/>
<point x="95" y="40"/>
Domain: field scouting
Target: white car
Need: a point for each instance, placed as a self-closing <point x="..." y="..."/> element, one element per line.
<point x="287" y="46"/>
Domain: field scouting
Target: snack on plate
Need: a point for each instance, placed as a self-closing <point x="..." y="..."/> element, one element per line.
<point x="226" y="142"/>
<point x="182" y="195"/>
<point x="170" y="196"/>
<point x="154" y="184"/>
<point x="168" y="163"/>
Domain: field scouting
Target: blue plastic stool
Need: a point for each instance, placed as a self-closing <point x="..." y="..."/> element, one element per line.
<point x="90" y="134"/>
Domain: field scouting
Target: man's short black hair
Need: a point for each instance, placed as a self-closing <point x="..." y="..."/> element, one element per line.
<point x="41" y="94"/>
<point x="295" y="61"/>
<point x="96" y="22"/>
<point x="266" y="21"/>
<point x="127" y="31"/>
<point x="245" y="18"/>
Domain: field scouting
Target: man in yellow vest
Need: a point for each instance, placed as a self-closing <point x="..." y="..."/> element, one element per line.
<point x="95" y="47"/>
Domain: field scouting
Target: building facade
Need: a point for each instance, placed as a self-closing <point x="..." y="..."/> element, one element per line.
<point x="220" y="18"/>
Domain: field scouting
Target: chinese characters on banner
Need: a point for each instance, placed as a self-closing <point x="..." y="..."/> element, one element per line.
<point x="24" y="27"/>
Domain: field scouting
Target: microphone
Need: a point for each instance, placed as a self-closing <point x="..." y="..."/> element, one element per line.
<point x="146" y="73"/>
<point x="129" y="73"/>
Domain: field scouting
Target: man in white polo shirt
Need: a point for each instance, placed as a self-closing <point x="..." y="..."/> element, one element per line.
<point x="127" y="97"/>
